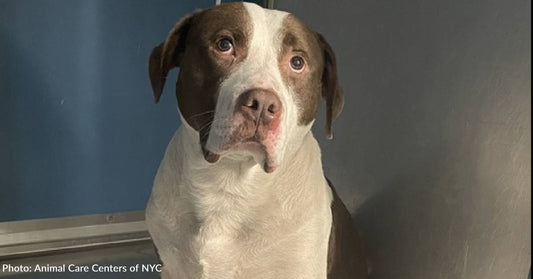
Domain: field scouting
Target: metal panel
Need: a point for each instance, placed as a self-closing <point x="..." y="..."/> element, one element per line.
<point x="55" y="235"/>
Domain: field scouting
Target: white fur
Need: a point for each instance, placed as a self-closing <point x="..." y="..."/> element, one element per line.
<point x="231" y="219"/>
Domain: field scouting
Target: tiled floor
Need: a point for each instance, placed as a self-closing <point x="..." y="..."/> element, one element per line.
<point x="127" y="256"/>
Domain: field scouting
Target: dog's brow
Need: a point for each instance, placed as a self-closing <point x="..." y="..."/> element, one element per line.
<point x="292" y="40"/>
<point x="295" y="43"/>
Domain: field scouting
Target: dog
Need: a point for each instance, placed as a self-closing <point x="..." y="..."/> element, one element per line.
<point x="240" y="192"/>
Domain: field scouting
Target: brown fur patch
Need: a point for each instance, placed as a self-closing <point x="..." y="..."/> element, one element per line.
<point x="346" y="258"/>
<point x="319" y="78"/>
<point x="298" y="39"/>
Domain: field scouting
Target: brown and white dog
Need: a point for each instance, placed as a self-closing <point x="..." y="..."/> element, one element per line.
<point x="241" y="192"/>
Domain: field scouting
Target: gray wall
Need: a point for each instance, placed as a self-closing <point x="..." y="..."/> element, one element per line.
<point x="432" y="151"/>
<point x="79" y="132"/>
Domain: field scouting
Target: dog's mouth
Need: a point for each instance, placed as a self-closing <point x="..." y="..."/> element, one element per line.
<point x="249" y="145"/>
<point x="243" y="138"/>
<point x="209" y="156"/>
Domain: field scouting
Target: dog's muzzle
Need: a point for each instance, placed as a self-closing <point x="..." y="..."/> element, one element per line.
<point x="256" y="121"/>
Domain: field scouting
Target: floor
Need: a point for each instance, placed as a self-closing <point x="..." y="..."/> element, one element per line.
<point x="124" y="257"/>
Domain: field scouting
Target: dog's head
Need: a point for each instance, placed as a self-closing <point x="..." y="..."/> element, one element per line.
<point x="250" y="80"/>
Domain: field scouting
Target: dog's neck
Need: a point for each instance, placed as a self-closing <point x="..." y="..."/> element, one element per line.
<point x="232" y="206"/>
<point x="231" y="188"/>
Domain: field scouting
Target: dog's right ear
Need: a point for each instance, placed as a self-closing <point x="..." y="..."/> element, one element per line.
<point x="331" y="90"/>
<point x="168" y="55"/>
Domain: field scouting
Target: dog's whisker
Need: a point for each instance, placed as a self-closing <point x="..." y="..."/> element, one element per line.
<point x="206" y="134"/>
<point x="208" y="124"/>
<point x="201" y="114"/>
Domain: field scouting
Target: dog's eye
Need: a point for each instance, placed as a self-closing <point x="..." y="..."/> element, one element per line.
<point x="297" y="63"/>
<point x="225" y="45"/>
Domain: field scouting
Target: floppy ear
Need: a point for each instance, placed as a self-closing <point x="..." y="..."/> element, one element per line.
<point x="168" y="55"/>
<point x="331" y="90"/>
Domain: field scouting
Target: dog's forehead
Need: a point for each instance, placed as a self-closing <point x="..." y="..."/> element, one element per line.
<point x="230" y="16"/>
<point x="279" y="27"/>
<point x="264" y="24"/>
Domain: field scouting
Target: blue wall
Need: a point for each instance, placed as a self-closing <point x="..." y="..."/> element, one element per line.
<point x="79" y="132"/>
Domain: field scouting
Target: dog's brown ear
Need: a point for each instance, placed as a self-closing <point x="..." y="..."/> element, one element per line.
<point x="331" y="90"/>
<point x="168" y="55"/>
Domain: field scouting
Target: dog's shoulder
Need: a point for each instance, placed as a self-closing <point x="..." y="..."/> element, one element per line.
<point x="346" y="257"/>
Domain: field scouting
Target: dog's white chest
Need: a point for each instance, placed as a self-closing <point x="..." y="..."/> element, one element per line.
<point x="214" y="253"/>
<point x="278" y="229"/>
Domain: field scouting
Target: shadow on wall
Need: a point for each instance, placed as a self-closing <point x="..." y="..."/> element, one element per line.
<point x="438" y="221"/>
<point x="435" y="220"/>
<point x="464" y="212"/>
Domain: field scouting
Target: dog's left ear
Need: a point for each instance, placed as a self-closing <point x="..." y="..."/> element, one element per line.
<point x="168" y="55"/>
<point x="331" y="90"/>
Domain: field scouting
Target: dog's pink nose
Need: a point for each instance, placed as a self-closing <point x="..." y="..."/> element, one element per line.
<point x="260" y="104"/>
